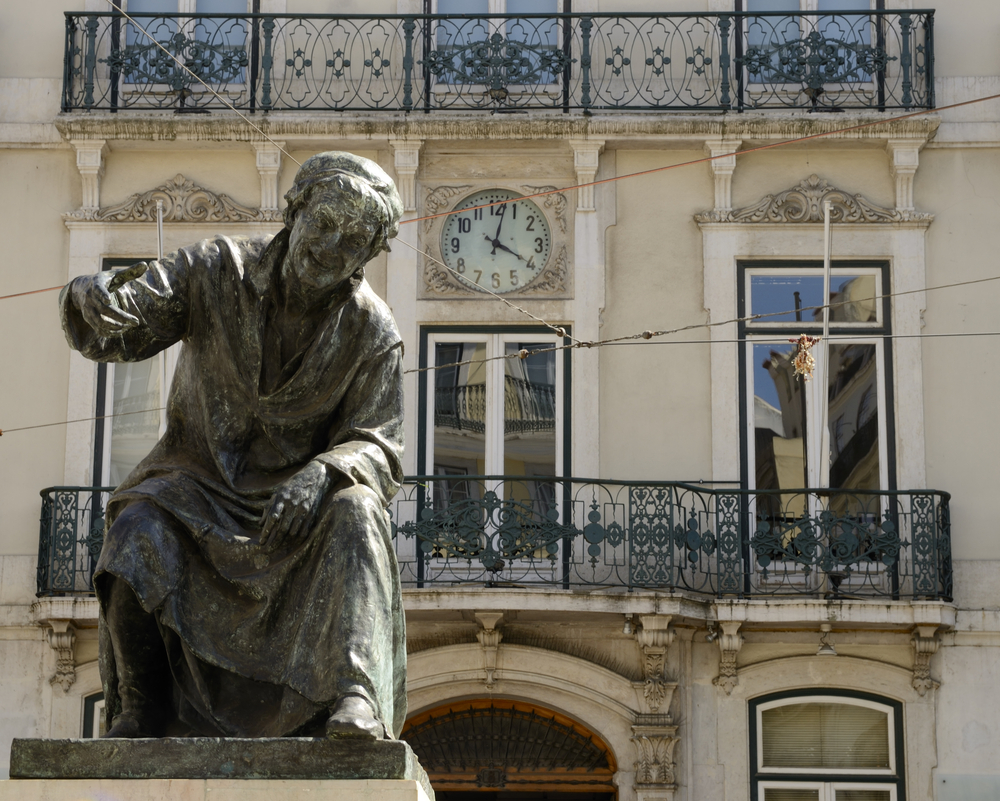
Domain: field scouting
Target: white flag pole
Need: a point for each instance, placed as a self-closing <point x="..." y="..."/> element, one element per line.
<point x="823" y="377"/>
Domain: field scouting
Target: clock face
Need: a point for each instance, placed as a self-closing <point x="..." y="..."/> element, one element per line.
<point x="501" y="248"/>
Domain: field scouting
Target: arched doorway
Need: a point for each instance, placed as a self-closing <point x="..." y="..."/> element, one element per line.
<point x="500" y="750"/>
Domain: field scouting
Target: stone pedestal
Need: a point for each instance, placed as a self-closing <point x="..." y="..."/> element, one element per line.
<point x="214" y="769"/>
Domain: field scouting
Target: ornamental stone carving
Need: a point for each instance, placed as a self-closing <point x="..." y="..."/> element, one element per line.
<point x="438" y="200"/>
<point x="655" y="768"/>
<point x="730" y="641"/>
<point x="655" y="637"/>
<point x="183" y="201"/>
<point x="804" y="204"/>
<point x="556" y="202"/>
<point x="62" y="637"/>
<point x="925" y="644"/>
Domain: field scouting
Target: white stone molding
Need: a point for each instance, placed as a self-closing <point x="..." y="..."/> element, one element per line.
<point x="654" y="766"/>
<point x="90" y="155"/>
<point x="904" y="158"/>
<point x="489" y="640"/>
<point x="655" y="636"/>
<point x="406" y="153"/>
<point x="804" y="203"/>
<point x="722" y="167"/>
<point x="586" y="160"/>
<point x="183" y="201"/>
<point x="925" y="644"/>
<point x="730" y="641"/>
<point x="269" y="166"/>
<point x="62" y="637"/>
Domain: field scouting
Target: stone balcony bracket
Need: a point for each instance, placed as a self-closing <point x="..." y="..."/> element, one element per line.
<point x="489" y="640"/>
<point x="586" y="161"/>
<point x="925" y="644"/>
<point x="269" y="167"/>
<point x="904" y="159"/>
<point x="729" y="639"/>
<point x="406" y="155"/>
<point x="90" y="162"/>
<point x="722" y="166"/>
<point x="655" y="635"/>
<point x="60" y="618"/>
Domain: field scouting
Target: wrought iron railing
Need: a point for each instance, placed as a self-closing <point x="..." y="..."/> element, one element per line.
<point x="511" y="531"/>
<point x="528" y="407"/>
<point x="564" y="62"/>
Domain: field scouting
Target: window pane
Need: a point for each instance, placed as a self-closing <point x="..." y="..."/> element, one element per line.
<point x="863" y="795"/>
<point x="854" y="423"/>
<point x="790" y="794"/>
<point x="463" y="6"/>
<point x="542" y="33"/>
<point x="779" y="413"/>
<point x="824" y="735"/>
<point x="221" y="7"/>
<point x="135" y="428"/>
<point x="844" y="5"/>
<point x="151" y="6"/>
<point x="459" y="419"/>
<point x="530" y="422"/>
<point x="797" y="298"/>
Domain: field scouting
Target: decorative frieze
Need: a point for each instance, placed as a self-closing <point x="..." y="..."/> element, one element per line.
<point x="925" y="644"/>
<point x="730" y="641"/>
<point x="804" y="204"/>
<point x="62" y="637"/>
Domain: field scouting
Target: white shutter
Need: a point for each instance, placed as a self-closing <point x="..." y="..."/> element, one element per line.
<point x="825" y="735"/>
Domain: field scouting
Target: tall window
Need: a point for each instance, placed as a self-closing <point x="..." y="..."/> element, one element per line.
<point x="836" y="746"/>
<point x="782" y="414"/>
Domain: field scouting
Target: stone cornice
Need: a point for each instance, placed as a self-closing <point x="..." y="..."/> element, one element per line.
<point x="300" y="129"/>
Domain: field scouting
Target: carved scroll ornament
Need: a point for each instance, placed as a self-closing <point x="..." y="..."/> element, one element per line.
<point x="804" y="204"/>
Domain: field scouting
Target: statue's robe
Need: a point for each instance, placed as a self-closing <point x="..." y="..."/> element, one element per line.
<point x="259" y="644"/>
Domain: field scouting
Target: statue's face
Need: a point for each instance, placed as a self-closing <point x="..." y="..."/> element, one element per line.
<point x="331" y="238"/>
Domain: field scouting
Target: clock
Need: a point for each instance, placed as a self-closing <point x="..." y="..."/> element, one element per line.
<point x="502" y="248"/>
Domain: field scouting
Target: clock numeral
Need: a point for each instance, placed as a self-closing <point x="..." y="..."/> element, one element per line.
<point x="455" y="243"/>
<point x="531" y="263"/>
<point x="513" y="210"/>
<point x="498" y="211"/>
<point x="479" y="274"/>
<point x="538" y="244"/>
<point x="513" y="277"/>
<point x="477" y="214"/>
<point x="460" y="266"/>
<point x="464" y="225"/>
<point x="496" y="280"/>
<point x="531" y="223"/>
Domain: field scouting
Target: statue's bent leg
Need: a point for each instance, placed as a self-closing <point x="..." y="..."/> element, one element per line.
<point x="144" y="681"/>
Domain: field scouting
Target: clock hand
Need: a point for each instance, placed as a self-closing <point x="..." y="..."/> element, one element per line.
<point x="504" y="247"/>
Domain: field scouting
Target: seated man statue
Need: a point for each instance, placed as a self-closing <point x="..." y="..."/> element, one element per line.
<point x="248" y="585"/>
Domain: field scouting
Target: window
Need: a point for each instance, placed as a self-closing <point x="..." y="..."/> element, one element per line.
<point x="94" y="724"/>
<point x="836" y="746"/>
<point x="782" y="414"/>
<point x="131" y="397"/>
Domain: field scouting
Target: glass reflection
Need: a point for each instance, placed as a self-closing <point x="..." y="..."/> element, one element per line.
<point x="459" y="420"/>
<point x="135" y="427"/>
<point x="798" y="298"/>
<point x="530" y="423"/>
<point x="854" y="417"/>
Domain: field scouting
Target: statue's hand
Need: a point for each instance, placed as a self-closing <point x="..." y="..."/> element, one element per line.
<point x="295" y="506"/>
<point x="95" y="297"/>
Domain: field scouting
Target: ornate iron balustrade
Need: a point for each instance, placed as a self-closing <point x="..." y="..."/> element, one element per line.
<point x="580" y="534"/>
<point x="564" y="62"/>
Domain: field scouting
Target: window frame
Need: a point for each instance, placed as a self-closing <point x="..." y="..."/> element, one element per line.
<point x="878" y="333"/>
<point x="829" y="780"/>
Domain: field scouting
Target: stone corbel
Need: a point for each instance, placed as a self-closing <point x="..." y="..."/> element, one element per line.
<point x="654" y="766"/>
<point x="269" y="167"/>
<point x="730" y="641"/>
<point x="62" y="637"/>
<point x="904" y="158"/>
<point x="406" y="153"/>
<point x="90" y="155"/>
<point x="925" y="644"/>
<point x="655" y="636"/>
<point x="586" y="160"/>
<point x="723" y="165"/>
<point x="489" y="640"/>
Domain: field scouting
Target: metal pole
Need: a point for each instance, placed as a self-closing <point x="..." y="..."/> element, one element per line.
<point x="823" y="379"/>
<point x="165" y="370"/>
<point x="159" y="229"/>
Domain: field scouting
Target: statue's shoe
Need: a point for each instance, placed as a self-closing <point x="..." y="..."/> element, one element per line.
<point x="352" y="717"/>
<point x="128" y="726"/>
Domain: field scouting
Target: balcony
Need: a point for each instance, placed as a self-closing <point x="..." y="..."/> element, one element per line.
<point x="612" y="536"/>
<point x="564" y="63"/>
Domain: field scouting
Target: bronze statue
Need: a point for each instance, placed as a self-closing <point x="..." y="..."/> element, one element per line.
<point x="248" y="585"/>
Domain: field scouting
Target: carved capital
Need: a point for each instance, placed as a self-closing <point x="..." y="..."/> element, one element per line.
<point x="489" y="640"/>
<point x="269" y="167"/>
<point x="90" y="155"/>
<point x="586" y="160"/>
<point x="722" y="166"/>
<point x="62" y="637"/>
<point x="406" y="153"/>
<point x="925" y="644"/>
<point x="654" y="766"/>
<point x="730" y="641"/>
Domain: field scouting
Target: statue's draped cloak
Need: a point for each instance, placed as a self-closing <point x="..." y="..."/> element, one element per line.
<point x="260" y="644"/>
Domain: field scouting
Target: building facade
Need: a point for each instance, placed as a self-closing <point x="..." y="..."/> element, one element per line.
<point x="641" y="557"/>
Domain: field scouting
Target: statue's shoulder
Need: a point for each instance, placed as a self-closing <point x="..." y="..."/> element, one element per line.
<point x="221" y="249"/>
<point x="376" y="314"/>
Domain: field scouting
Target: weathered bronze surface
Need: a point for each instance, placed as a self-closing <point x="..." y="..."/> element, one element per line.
<point x="248" y="585"/>
<point x="216" y="758"/>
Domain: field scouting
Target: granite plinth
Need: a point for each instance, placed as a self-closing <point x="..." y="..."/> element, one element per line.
<point x="280" y="758"/>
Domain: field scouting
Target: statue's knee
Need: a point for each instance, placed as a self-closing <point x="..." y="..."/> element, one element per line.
<point x="357" y="501"/>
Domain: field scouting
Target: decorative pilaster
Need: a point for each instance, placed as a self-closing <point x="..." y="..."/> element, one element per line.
<point x="62" y="637"/>
<point x="654" y="766"/>
<point x="723" y="165"/>
<point x="925" y="644"/>
<point x="655" y="636"/>
<point x="406" y="153"/>
<point x="269" y="167"/>
<point x="586" y="160"/>
<point x="489" y="640"/>
<point x="730" y="641"/>
<point x="904" y="158"/>
<point x="90" y="155"/>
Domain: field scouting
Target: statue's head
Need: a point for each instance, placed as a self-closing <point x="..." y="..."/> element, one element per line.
<point x="350" y="180"/>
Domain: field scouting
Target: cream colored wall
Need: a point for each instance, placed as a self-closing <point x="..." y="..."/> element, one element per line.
<point x="655" y="398"/>
<point x="965" y="33"/>
<point x="31" y="38"/>
<point x="961" y="385"/>
<point x="39" y="185"/>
